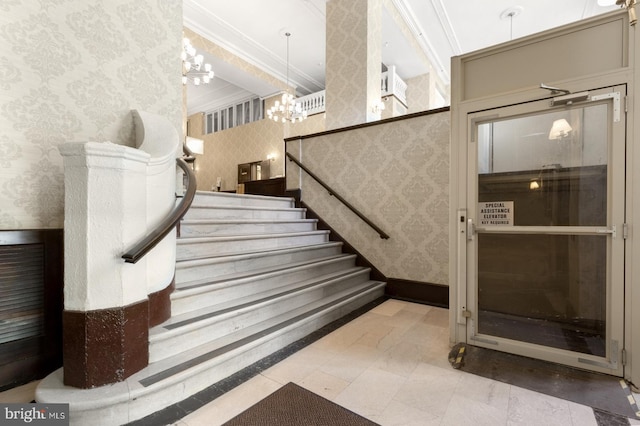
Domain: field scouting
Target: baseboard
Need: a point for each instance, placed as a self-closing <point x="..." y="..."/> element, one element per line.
<point x="418" y="292"/>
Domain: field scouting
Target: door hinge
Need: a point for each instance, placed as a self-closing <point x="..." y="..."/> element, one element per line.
<point x="626" y="104"/>
<point x="625" y="231"/>
<point x="623" y="356"/>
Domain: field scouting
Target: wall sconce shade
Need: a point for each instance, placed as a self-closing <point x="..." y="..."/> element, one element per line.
<point x="195" y="145"/>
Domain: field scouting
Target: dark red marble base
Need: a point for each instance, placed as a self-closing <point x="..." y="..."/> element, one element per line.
<point x="160" y="304"/>
<point x="105" y="346"/>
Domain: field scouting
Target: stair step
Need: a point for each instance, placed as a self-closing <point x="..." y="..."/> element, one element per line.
<point x="192" y="270"/>
<point x="201" y="247"/>
<point x="230" y="199"/>
<point x="205" y="227"/>
<point x="174" y="379"/>
<point x="250" y="286"/>
<point x="199" y="211"/>
<point x="185" y="332"/>
<point x="244" y="338"/>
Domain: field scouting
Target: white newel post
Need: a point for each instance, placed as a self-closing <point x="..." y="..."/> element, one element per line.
<point x="105" y="300"/>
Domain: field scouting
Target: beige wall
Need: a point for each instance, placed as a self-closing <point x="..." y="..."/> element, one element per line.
<point x="72" y="71"/>
<point x="397" y="174"/>
<point x="224" y="150"/>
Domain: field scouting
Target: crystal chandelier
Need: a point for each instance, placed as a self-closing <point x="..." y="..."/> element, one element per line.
<point x="287" y="109"/>
<point x="193" y="68"/>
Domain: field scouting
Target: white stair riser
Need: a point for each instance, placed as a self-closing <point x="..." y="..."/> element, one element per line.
<point x="195" y="270"/>
<point x="224" y="294"/>
<point x="195" y="250"/>
<point x="228" y="229"/>
<point x="223" y="199"/>
<point x="213" y="213"/>
<point x="211" y="329"/>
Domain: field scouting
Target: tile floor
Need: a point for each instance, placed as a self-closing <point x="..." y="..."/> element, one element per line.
<point x="391" y="366"/>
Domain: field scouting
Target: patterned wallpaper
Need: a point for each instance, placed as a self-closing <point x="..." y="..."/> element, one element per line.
<point x="397" y="174"/>
<point x="418" y="90"/>
<point x="72" y="70"/>
<point x="352" y="63"/>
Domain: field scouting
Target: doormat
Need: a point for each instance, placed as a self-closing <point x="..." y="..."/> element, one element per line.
<point x="601" y="392"/>
<point x="292" y="405"/>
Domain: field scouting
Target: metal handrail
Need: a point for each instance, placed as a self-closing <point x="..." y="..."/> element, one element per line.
<point x="152" y="239"/>
<point x="380" y="232"/>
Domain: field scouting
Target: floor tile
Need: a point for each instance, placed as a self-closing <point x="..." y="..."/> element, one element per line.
<point x="323" y="384"/>
<point x="465" y="411"/>
<point x="371" y="392"/>
<point x="532" y="408"/>
<point x="233" y="402"/>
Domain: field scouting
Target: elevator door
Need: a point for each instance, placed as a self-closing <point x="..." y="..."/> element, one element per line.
<point x="546" y="230"/>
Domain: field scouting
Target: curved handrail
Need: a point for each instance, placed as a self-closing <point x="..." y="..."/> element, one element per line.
<point x="151" y="240"/>
<point x="380" y="232"/>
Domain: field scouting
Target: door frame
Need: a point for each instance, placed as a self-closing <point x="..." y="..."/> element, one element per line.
<point x="612" y="363"/>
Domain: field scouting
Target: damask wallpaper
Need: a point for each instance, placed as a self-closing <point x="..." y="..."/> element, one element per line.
<point x="397" y="174"/>
<point x="72" y="70"/>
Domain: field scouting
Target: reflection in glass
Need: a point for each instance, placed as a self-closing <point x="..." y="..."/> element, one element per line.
<point x="544" y="289"/>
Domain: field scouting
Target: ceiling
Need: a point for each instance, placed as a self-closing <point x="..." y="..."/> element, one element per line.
<point x="439" y="29"/>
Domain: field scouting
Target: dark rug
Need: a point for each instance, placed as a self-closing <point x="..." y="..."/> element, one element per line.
<point x="605" y="394"/>
<point x="292" y="405"/>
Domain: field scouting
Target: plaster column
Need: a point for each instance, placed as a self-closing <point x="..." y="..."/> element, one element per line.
<point x="353" y="62"/>
<point x="106" y="312"/>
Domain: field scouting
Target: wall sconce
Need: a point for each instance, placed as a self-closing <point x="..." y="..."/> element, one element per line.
<point x="195" y="146"/>
<point x="271" y="157"/>
<point x="378" y="107"/>
<point x="560" y="130"/>
<point x="534" y="184"/>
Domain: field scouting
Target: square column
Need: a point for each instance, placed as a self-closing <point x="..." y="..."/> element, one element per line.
<point x="353" y="62"/>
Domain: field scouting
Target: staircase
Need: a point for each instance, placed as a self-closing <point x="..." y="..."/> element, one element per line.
<point x="252" y="275"/>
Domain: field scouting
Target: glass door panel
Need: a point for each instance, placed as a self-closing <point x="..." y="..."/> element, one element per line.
<point x="545" y="212"/>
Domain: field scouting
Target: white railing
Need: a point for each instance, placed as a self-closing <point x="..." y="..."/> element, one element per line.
<point x="313" y="103"/>
<point x="392" y="84"/>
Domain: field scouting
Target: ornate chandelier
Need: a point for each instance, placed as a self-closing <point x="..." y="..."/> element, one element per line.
<point x="193" y="67"/>
<point x="287" y="109"/>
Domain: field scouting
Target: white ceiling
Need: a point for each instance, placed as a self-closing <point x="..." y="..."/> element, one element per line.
<point x="254" y="31"/>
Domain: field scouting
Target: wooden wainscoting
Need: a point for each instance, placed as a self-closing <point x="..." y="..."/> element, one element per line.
<point x="31" y="303"/>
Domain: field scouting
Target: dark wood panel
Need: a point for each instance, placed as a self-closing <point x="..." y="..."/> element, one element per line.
<point x="35" y="275"/>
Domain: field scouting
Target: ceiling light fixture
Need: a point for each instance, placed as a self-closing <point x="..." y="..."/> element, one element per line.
<point x="193" y="67"/>
<point x="510" y="13"/>
<point x="287" y="109"/>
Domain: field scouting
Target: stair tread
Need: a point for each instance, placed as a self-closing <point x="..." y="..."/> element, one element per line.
<point x="244" y="256"/>
<point x="242" y="196"/>
<point x="166" y="368"/>
<point x="243" y="221"/>
<point x="196" y="205"/>
<point x="248" y="252"/>
<point x="209" y="238"/>
<point x="253" y="273"/>
<point x="248" y="302"/>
